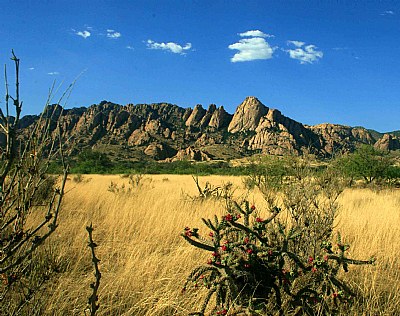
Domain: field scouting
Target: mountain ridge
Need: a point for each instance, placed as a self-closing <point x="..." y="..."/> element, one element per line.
<point x="164" y="131"/>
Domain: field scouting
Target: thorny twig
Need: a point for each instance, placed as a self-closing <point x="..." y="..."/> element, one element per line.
<point x="93" y="305"/>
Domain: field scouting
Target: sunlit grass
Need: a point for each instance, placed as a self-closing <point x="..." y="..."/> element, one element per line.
<point x="144" y="261"/>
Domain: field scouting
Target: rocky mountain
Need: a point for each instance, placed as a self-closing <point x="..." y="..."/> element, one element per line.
<point x="388" y="142"/>
<point x="378" y="135"/>
<point x="247" y="116"/>
<point x="340" y="138"/>
<point x="168" y="132"/>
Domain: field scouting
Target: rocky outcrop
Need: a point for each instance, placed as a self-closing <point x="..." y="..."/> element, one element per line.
<point x="159" y="151"/>
<point x="153" y="126"/>
<point x="362" y="135"/>
<point x="247" y="115"/>
<point x="340" y="139"/>
<point x="388" y="142"/>
<point x="187" y="114"/>
<point x="163" y="131"/>
<point x="278" y="134"/>
<point x="220" y="118"/>
<point x="273" y="133"/>
<point x="205" y="120"/>
<point x="274" y="143"/>
<point x="196" y="116"/>
<point x="101" y="120"/>
<point x="213" y="117"/>
<point x="206" y="139"/>
<point x="191" y="153"/>
<point x="139" y="137"/>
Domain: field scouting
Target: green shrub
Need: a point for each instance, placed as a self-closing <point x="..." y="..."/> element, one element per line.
<point x="367" y="163"/>
<point x="392" y="175"/>
<point x="90" y="161"/>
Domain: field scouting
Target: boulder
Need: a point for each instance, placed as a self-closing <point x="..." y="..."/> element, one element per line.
<point x="159" y="151"/>
<point x="139" y="137"/>
<point x="153" y="126"/>
<point x="191" y="153"/>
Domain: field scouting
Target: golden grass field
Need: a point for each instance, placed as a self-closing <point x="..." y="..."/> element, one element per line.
<point x="144" y="261"/>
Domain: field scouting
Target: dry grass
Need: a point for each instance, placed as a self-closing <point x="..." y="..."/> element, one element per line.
<point x="370" y="222"/>
<point x="144" y="261"/>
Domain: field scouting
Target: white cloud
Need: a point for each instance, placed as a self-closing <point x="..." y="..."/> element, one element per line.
<point x="170" y="46"/>
<point x="53" y="73"/>
<point x="304" y="53"/>
<point x="84" y="34"/>
<point x="340" y="48"/>
<point x="255" y="33"/>
<point x="113" y="34"/>
<point x="31" y="68"/>
<point x="130" y="47"/>
<point x="296" y="43"/>
<point x="387" y="12"/>
<point x="251" y="49"/>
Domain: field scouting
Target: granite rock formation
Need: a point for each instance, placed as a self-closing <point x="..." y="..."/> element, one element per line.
<point x="388" y="142"/>
<point x="164" y="131"/>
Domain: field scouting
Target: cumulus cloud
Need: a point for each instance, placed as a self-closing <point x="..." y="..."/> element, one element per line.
<point x="304" y="53"/>
<point x="255" y="33"/>
<point x="31" y="68"/>
<point x="170" y="46"/>
<point x="253" y="48"/>
<point x="113" y="34"/>
<point x="130" y="47"/>
<point x="53" y="73"/>
<point x="85" y="34"/>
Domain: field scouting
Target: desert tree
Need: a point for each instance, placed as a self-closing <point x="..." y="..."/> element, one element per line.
<point x="367" y="163"/>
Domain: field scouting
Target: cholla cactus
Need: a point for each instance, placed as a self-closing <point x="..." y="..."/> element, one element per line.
<point x="253" y="269"/>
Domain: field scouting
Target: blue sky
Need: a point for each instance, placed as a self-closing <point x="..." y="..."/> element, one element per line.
<point x="316" y="61"/>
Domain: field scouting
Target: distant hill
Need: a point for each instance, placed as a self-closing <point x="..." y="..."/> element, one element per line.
<point x="395" y="133"/>
<point x="377" y="135"/>
<point x="167" y="132"/>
